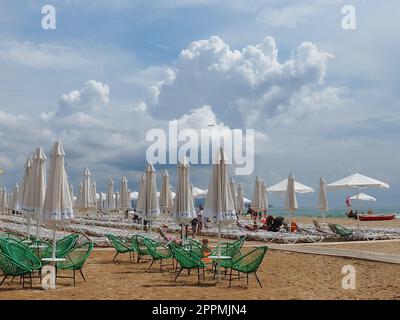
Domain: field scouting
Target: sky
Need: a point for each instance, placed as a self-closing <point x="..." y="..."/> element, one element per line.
<point x="323" y="101"/>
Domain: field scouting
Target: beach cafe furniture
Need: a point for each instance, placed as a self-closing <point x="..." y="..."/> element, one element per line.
<point x="120" y="246"/>
<point x="137" y="242"/>
<point x="75" y="260"/>
<point x="187" y="260"/>
<point x="349" y="234"/>
<point x="11" y="267"/>
<point x="158" y="252"/>
<point x="248" y="264"/>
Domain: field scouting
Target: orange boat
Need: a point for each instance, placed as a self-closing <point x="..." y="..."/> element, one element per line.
<point x="376" y="217"/>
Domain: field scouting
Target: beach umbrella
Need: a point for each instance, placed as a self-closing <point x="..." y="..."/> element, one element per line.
<point x="290" y="199"/>
<point x="125" y="197"/>
<point x="35" y="189"/>
<point x="183" y="210"/>
<point x="257" y="201"/>
<point x="57" y="205"/>
<point x="116" y="199"/>
<point x="110" y="203"/>
<point x="198" y="193"/>
<point x="148" y="206"/>
<point x="28" y="167"/>
<point x="322" y="197"/>
<point x="264" y="195"/>
<point x="357" y="180"/>
<point x="87" y="199"/>
<point x="101" y="199"/>
<point x="141" y="197"/>
<point x="94" y="191"/>
<point x="363" y="197"/>
<point x="232" y="187"/>
<point x="15" y="194"/>
<point x="71" y="192"/>
<point x="240" y="199"/>
<point x="3" y="200"/>
<point x="281" y="187"/>
<point x="219" y="205"/>
<point x="165" y="198"/>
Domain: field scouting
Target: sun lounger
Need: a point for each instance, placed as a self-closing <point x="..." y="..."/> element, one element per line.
<point x="349" y="234"/>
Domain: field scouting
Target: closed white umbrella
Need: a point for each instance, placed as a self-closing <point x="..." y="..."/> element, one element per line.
<point x="125" y="197"/>
<point x="183" y="211"/>
<point x="110" y="203"/>
<point x="219" y="204"/>
<point x="322" y="197"/>
<point x="87" y="199"/>
<point x="290" y="199"/>
<point x="35" y="189"/>
<point x="265" y="196"/>
<point x="101" y="200"/>
<point x="148" y="206"/>
<point x="165" y="198"/>
<point x="116" y="199"/>
<point x="28" y="166"/>
<point x="357" y="180"/>
<point x="57" y="205"/>
<point x="257" y="201"/>
<point x="71" y="192"/>
<point x="141" y="198"/>
<point x="15" y="197"/>
<point x="3" y="200"/>
<point x="240" y="199"/>
<point x="94" y="191"/>
<point x="232" y="187"/>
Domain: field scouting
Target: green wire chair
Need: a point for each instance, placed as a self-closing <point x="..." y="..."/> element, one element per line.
<point x="75" y="260"/>
<point x="137" y="243"/>
<point x="63" y="246"/>
<point x="187" y="260"/>
<point x="10" y="235"/>
<point x="120" y="246"/>
<point x="248" y="264"/>
<point x="39" y="248"/>
<point x="158" y="252"/>
<point x="24" y="256"/>
<point x="13" y="268"/>
<point x="194" y="247"/>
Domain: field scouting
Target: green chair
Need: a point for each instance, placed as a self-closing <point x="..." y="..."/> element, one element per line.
<point x="10" y="235"/>
<point x="228" y="249"/>
<point x="187" y="260"/>
<point x="5" y="241"/>
<point x="13" y="268"/>
<point x="193" y="246"/>
<point x="120" y="246"/>
<point x="24" y="256"/>
<point x="63" y="246"/>
<point x="158" y="252"/>
<point x="39" y="248"/>
<point x="75" y="260"/>
<point x="248" y="264"/>
<point x="137" y="242"/>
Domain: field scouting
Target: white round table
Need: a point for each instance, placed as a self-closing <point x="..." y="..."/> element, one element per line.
<point x="218" y="259"/>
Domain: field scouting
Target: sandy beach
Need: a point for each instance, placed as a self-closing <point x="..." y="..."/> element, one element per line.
<point x="284" y="275"/>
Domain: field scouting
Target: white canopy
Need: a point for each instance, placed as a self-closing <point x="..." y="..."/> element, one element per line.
<point x="282" y="186"/>
<point x="199" y="193"/>
<point x="363" y="197"/>
<point x="356" y="180"/>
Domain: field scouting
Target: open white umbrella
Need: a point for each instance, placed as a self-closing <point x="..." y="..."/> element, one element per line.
<point x="165" y="198"/>
<point x="290" y="199"/>
<point x="125" y="197"/>
<point x="357" y="180"/>
<point x="57" y="205"/>
<point x="240" y="199"/>
<point x="257" y="202"/>
<point x="322" y="197"/>
<point x="362" y="197"/>
<point x="183" y="211"/>
<point x="281" y="187"/>
<point x="110" y="203"/>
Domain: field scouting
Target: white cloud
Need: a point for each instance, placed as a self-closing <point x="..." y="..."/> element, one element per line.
<point x="40" y="55"/>
<point x="233" y="82"/>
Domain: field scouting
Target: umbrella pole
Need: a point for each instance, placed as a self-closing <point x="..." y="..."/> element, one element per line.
<point x="29" y="227"/>
<point x="54" y="242"/>
<point x="219" y="251"/>
<point x="37" y="230"/>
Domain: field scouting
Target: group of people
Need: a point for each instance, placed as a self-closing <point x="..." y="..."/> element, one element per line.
<point x="354" y="214"/>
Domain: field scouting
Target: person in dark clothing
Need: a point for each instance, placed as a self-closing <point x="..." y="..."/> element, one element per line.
<point x="194" y="226"/>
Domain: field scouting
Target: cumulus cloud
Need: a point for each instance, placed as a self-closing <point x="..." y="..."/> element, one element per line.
<point x="234" y="82"/>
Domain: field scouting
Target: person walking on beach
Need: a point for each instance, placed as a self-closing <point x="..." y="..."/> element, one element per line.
<point x="194" y="226"/>
<point x="200" y="219"/>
